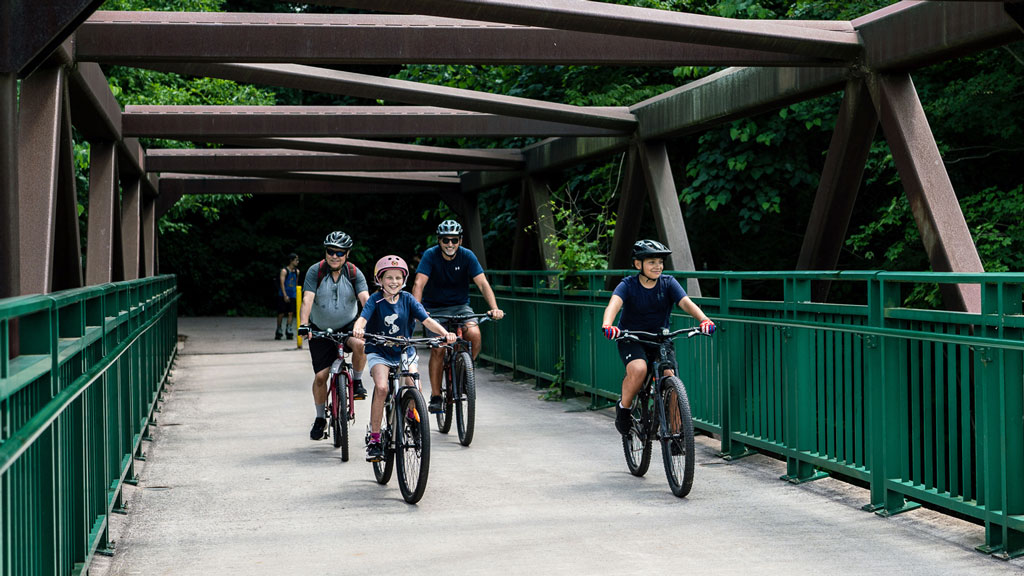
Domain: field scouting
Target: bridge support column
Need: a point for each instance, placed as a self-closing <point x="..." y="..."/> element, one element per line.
<point x="148" y="237"/>
<point x="630" y="213"/>
<point x="668" y="217"/>
<point x="103" y="252"/>
<point x="10" y="261"/>
<point x="131" y="226"/>
<point x="932" y="199"/>
<point x="48" y="203"/>
<point x="840" y="182"/>
<point x="466" y="206"/>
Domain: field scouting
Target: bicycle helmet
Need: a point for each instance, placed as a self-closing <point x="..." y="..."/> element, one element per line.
<point x="389" y="262"/>
<point x="449" y="228"/>
<point x="649" y="249"/>
<point x="338" y="239"/>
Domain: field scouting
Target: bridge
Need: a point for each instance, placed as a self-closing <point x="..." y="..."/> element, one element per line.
<point x="921" y="407"/>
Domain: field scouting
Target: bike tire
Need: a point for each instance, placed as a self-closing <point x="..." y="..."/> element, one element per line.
<point x="444" y="418"/>
<point x="382" y="469"/>
<point x="637" y="444"/>
<point x="677" y="448"/>
<point x="413" y="446"/>
<point x="465" y="403"/>
<point x="339" y="413"/>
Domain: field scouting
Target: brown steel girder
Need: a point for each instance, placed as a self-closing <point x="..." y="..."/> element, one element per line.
<point x="337" y="39"/>
<point x="104" y="259"/>
<point x="24" y="47"/>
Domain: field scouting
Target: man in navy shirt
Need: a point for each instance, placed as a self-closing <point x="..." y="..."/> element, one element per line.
<point x="442" y="285"/>
<point x="646" y="301"/>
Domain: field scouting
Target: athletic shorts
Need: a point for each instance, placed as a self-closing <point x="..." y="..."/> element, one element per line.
<point x="373" y="359"/>
<point x="285" y="307"/>
<point x="630" y="350"/>
<point x="459" y="310"/>
<point x="323" y="351"/>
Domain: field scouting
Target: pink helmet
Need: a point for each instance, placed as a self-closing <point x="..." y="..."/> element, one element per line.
<point x="389" y="262"/>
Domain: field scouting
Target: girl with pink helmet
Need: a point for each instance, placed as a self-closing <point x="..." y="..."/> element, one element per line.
<point x="391" y="311"/>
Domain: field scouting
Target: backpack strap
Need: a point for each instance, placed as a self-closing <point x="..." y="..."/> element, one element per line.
<point x="323" y="270"/>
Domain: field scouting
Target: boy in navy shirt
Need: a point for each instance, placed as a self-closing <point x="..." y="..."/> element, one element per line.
<point x="646" y="301"/>
<point x="389" y="312"/>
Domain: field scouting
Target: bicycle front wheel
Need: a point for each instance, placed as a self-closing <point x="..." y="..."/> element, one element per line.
<point x="677" y="437"/>
<point x="413" y="446"/>
<point x="339" y="414"/>
<point x="382" y="469"/>
<point x="637" y="444"/>
<point x="444" y="418"/>
<point x="465" y="403"/>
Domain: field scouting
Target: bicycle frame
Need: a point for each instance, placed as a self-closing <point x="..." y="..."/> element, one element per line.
<point x="656" y="369"/>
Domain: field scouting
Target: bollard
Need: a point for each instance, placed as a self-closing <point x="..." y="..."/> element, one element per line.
<point x="298" y="309"/>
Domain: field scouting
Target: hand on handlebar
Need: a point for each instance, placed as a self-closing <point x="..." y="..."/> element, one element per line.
<point x="496" y="314"/>
<point x="449" y="337"/>
<point x="358" y="332"/>
<point x="303" y="330"/>
<point x="707" y="327"/>
<point x="611" y="332"/>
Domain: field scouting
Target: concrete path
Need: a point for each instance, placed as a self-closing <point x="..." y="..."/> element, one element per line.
<point x="233" y="485"/>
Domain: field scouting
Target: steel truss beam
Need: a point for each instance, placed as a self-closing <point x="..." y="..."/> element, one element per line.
<point x="104" y="260"/>
<point x="256" y="162"/>
<point x="10" y="259"/>
<point x="30" y="30"/>
<point x="376" y="87"/>
<point x="339" y="39"/>
<point x="131" y="228"/>
<point x="616" y="20"/>
<point x="184" y="122"/>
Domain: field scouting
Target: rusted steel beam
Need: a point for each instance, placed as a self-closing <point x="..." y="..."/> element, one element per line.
<point x="184" y="122"/>
<point x="497" y="158"/>
<point x="557" y="153"/>
<point x="616" y="20"/>
<point x="94" y="110"/>
<point x="933" y="201"/>
<point x="174" y="186"/>
<point x="30" y="30"/>
<point x="148" y="236"/>
<point x="261" y="161"/>
<point x="629" y="214"/>
<point x="479" y="181"/>
<point x="731" y="94"/>
<point x="840" y="181"/>
<point x="131" y="226"/>
<point x="339" y="39"/>
<point x="375" y="87"/>
<point x="910" y="35"/>
<point x="10" y="259"/>
<point x="668" y="216"/>
<point x="441" y="180"/>
<point x="103" y="245"/>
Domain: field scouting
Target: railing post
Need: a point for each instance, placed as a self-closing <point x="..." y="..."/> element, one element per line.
<point x="798" y="380"/>
<point x="730" y="359"/>
<point x="1000" y="413"/>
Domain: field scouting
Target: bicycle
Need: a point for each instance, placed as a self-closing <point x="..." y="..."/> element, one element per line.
<point x="404" y="430"/>
<point x="458" y="392"/>
<point x="341" y="406"/>
<point x="661" y="410"/>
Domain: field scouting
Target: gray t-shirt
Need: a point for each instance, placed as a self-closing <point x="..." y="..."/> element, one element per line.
<point x="335" y="304"/>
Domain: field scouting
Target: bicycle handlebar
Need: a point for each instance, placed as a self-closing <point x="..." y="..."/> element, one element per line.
<point x="402" y="341"/>
<point x="641" y="336"/>
<point x="329" y="334"/>
<point x="462" y="318"/>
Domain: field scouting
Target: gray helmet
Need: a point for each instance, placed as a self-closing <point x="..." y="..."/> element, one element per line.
<point x="449" y="228"/>
<point x="338" y="239"/>
<point x="649" y="249"/>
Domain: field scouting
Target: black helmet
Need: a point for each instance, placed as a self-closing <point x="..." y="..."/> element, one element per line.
<point x="649" y="249"/>
<point x="338" y="239"/>
<point x="449" y="228"/>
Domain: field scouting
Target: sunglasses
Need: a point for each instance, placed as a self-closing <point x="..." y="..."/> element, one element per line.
<point x="449" y="240"/>
<point x="339" y="253"/>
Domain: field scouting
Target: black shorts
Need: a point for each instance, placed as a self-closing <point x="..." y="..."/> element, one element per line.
<point x="285" y="307"/>
<point x="324" y="352"/>
<point x="630" y="350"/>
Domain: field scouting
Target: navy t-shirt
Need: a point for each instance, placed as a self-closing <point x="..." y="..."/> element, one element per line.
<point x="449" y="279"/>
<point x="648" y="309"/>
<point x="398" y="319"/>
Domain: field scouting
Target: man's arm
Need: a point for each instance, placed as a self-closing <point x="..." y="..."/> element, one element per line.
<point x="280" y="280"/>
<point x="363" y="297"/>
<point x="485" y="289"/>
<point x="418" y="285"/>
<point x="307" y="307"/>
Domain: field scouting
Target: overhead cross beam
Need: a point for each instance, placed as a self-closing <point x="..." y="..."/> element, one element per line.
<point x="23" y="48"/>
<point x="184" y="122"/>
<point x="616" y="20"/>
<point x="135" y="38"/>
<point x="270" y="160"/>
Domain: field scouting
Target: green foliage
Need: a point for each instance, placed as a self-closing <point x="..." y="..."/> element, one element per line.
<point x="583" y="219"/>
<point x="555" y="391"/>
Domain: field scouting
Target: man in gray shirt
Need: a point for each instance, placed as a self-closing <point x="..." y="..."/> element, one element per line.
<point x="332" y="292"/>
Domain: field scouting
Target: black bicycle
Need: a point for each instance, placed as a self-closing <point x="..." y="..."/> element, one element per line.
<point x="404" y="430"/>
<point x="661" y="410"/>
<point x="341" y="406"/>
<point x="458" y="392"/>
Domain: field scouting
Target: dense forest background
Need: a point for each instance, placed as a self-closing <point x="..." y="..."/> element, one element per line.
<point x="746" y="187"/>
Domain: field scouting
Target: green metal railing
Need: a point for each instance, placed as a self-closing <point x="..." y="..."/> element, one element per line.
<point x="922" y="405"/>
<point x="80" y="374"/>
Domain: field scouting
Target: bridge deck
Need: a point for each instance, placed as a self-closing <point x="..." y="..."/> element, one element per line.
<point x="233" y="485"/>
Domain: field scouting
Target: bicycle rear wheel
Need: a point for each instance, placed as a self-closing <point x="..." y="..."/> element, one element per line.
<point x="637" y="444"/>
<point x="444" y="418"/>
<point x="465" y="402"/>
<point x="413" y="446"/>
<point x="339" y="413"/>
<point x="382" y="469"/>
<point x="677" y="439"/>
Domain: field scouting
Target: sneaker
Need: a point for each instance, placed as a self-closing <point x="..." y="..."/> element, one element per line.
<point x="374" y="451"/>
<point x="319" y="430"/>
<point x="435" y="406"/>
<point x="278" y="335"/>
<point x="358" y="392"/>
<point x="623" y="419"/>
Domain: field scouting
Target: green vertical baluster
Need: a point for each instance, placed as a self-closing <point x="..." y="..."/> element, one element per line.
<point x="798" y="380"/>
<point x="734" y="387"/>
